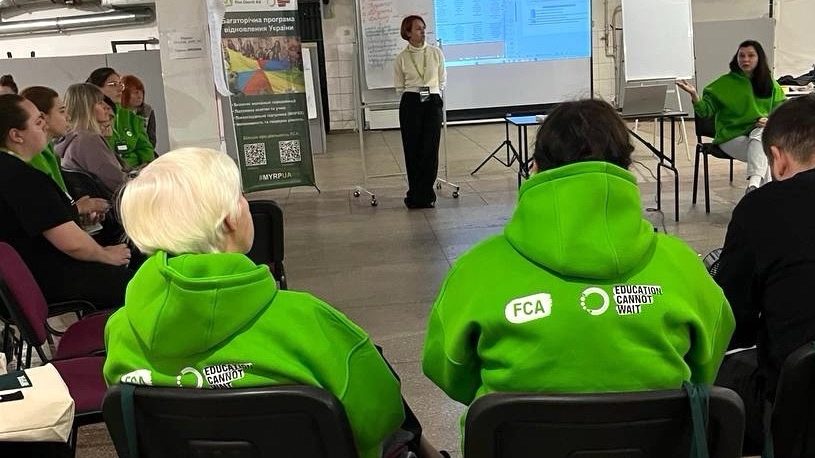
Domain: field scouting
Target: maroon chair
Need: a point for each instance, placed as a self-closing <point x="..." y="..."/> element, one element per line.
<point x="28" y="310"/>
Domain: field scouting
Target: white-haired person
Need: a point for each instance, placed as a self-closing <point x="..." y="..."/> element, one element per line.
<point x="84" y="146"/>
<point x="198" y="311"/>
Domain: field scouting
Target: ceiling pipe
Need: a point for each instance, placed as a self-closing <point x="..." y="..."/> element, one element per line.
<point x="116" y="18"/>
<point x="4" y="4"/>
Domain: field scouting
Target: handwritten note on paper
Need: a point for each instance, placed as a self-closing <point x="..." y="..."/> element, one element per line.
<point x="381" y="41"/>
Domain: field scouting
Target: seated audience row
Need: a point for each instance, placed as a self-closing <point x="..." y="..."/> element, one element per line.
<point x="588" y="298"/>
<point x="39" y="219"/>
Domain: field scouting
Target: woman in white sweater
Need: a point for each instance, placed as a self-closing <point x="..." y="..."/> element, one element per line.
<point x="420" y="76"/>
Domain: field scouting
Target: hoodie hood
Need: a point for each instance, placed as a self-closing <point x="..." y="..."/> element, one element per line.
<point x="217" y="292"/>
<point x="582" y="220"/>
<point x="61" y="145"/>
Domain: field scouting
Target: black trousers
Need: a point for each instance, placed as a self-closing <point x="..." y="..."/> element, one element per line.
<point x="100" y="284"/>
<point x="740" y="373"/>
<point x="420" y="123"/>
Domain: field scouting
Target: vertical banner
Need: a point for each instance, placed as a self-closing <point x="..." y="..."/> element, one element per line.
<point x="264" y="67"/>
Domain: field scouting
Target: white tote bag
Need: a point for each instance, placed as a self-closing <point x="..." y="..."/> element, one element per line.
<point x="35" y="405"/>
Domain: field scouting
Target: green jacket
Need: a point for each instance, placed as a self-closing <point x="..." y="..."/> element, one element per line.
<point x="218" y="321"/>
<point x="577" y="295"/>
<point x="47" y="162"/>
<point x="129" y="140"/>
<point x="736" y="108"/>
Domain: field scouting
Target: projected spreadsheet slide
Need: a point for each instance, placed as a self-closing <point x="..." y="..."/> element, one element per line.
<point x="479" y="32"/>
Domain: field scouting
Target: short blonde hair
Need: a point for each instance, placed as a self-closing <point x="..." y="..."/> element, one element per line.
<point x="178" y="203"/>
<point x="80" y="100"/>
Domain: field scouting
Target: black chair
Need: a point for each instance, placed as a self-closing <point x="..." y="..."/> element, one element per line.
<point x="81" y="183"/>
<point x="267" y="249"/>
<point x="286" y="421"/>
<point x="611" y="425"/>
<point x="706" y="127"/>
<point x="793" y="415"/>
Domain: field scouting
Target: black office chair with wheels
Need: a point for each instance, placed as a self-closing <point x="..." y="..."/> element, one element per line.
<point x="267" y="249"/>
<point x="653" y="424"/>
<point x="706" y="127"/>
<point x="793" y="416"/>
<point x="286" y="420"/>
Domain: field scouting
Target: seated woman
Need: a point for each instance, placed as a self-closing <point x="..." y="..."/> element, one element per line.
<point x="740" y="102"/>
<point x="199" y="313"/>
<point x="56" y="126"/>
<point x="133" y="98"/>
<point x="578" y="294"/>
<point x="84" y="147"/>
<point x="128" y="138"/>
<point x="38" y="219"/>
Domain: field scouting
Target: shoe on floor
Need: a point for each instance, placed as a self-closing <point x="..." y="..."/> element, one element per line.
<point x="415" y="205"/>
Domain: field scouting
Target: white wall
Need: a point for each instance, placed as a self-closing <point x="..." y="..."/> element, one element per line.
<point x="722" y="10"/>
<point x="795" y="47"/>
<point x="70" y="44"/>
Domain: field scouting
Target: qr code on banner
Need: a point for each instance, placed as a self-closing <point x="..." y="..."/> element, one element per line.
<point x="290" y="151"/>
<point x="254" y="154"/>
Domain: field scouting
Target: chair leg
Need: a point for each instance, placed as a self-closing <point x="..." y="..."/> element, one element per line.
<point x="707" y="185"/>
<point x="28" y="357"/>
<point x="731" y="170"/>
<point x="695" y="175"/>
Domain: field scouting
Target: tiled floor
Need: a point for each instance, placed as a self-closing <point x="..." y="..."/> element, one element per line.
<point x="382" y="265"/>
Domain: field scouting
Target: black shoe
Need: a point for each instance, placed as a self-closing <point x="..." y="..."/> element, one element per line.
<point x="415" y="205"/>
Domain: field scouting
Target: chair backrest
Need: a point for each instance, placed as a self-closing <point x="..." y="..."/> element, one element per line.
<point x="610" y="425"/>
<point x="81" y="183"/>
<point x="22" y="296"/>
<point x="793" y="417"/>
<point x="267" y="248"/>
<point x="284" y="420"/>
<point x="705" y="127"/>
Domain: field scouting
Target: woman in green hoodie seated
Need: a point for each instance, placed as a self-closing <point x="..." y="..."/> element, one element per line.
<point x="200" y="314"/>
<point x="129" y="137"/>
<point x="578" y="294"/>
<point x="740" y="102"/>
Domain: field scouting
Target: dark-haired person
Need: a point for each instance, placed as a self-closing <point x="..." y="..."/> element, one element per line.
<point x="768" y="263"/>
<point x="740" y="102"/>
<point x="38" y="219"/>
<point x="578" y="294"/>
<point x="7" y="85"/>
<point x="56" y="126"/>
<point x="419" y="75"/>
<point x="129" y="138"/>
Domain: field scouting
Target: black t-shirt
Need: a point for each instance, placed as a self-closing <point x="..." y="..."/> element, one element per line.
<point x="30" y="204"/>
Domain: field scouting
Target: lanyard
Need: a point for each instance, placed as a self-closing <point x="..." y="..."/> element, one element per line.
<point x="416" y="66"/>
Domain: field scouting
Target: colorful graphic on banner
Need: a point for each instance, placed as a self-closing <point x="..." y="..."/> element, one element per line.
<point x="264" y="66"/>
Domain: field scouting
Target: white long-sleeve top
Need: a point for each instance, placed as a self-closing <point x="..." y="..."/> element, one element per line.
<point x="416" y="67"/>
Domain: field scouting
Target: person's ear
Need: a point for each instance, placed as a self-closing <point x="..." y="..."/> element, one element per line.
<point x="230" y="224"/>
<point x="14" y="136"/>
<point x="780" y="163"/>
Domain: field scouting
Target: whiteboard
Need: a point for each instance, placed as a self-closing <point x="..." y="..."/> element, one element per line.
<point x="658" y="39"/>
<point x="379" y="23"/>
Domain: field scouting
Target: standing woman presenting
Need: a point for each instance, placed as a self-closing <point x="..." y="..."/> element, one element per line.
<point x="419" y="75"/>
<point x="740" y="102"/>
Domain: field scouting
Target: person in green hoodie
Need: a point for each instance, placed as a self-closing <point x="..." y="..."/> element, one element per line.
<point x="200" y="314"/>
<point x="740" y="102"/>
<point x="578" y="294"/>
<point x="129" y="138"/>
<point x="47" y="100"/>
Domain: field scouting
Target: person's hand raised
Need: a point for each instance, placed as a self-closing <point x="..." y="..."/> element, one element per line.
<point x="689" y="88"/>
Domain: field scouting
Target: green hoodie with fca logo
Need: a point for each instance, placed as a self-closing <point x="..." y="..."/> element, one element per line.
<point x="218" y="321"/>
<point x="577" y="295"/>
